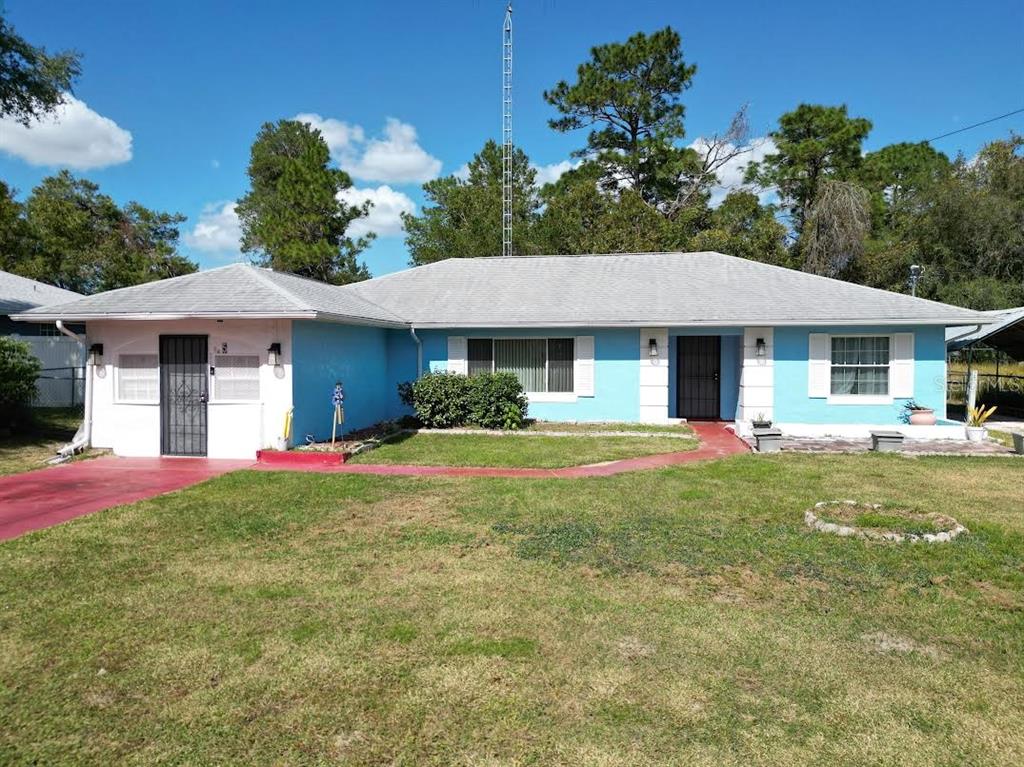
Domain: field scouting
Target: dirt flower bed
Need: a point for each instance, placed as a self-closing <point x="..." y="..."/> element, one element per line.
<point x="873" y="521"/>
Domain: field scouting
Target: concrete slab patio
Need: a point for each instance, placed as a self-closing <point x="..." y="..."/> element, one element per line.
<point x="45" y="497"/>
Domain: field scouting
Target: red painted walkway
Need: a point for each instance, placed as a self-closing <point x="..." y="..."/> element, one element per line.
<point x="45" y="497"/>
<point x="715" y="442"/>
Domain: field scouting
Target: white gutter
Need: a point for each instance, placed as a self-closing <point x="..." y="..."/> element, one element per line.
<point x="83" y="438"/>
<point x="419" y="351"/>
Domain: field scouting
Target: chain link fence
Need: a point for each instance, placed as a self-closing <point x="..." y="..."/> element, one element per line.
<point x="60" y="387"/>
<point x="1004" y="391"/>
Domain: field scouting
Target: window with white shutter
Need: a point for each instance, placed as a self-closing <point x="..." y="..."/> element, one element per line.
<point x="138" y="378"/>
<point x="236" y="377"/>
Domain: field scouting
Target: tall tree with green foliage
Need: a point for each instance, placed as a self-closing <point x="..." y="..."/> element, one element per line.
<point x="462" y="217"/>
<point x="741" y="226"/>
<point x="898" y="177"/>
<point x="292" y="218"/>
<point x="629" y="95"/>
<point x="78" y="238"/>
<point x="32" y="82"/>
<point x="813" y="143"/>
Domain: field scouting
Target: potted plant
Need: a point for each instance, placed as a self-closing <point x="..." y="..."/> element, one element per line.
<point x="976" y="417"/>
<point x="761" y="421"/>
<point x="919" y="415"/>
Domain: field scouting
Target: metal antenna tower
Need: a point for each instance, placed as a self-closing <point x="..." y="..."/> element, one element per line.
<point x="506" y="135"/>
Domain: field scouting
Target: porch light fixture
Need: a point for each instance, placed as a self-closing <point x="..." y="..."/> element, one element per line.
<point x="761" y="349"/>
<point x="96" y="354"/>
<point x="652" y="348"/>
<point x="274" y="354"/>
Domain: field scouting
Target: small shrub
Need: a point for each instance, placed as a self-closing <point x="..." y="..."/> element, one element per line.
<point x="19" y="369"/>
<point x="497" y="401"/>
<point x="444" y="400"/>
<point x="441" y="400"/>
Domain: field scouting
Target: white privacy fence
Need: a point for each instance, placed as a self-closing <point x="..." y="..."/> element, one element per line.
<point x="62" y="380"/>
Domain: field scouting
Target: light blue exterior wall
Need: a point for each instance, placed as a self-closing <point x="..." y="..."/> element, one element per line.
<point x="731" y="362"/>
<point x="324" y="353"/>
<point x="792" y="348"/>
<point x="616" y="370"/>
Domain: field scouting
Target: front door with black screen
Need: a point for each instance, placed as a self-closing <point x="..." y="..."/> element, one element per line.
<point x="183" y="395"/>
<point x="699" y="370"/>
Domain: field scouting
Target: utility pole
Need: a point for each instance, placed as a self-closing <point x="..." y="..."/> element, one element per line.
<point x="506" y="135"/>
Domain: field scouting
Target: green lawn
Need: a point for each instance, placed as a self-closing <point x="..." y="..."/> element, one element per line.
<point x="684" y="616"/>
<point x="597" y="426"/>
<point x="527" y="451"/>
<point x="54" y="428"/>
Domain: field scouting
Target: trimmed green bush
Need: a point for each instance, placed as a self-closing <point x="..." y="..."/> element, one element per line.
<point x="497" y="401"/>
<point x="444" y="400"/>
<point x="19" y="369"/>
<point x="441" y="400"/>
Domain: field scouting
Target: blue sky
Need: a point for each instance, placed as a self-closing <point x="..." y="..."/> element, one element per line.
<point x="172" y="95"/>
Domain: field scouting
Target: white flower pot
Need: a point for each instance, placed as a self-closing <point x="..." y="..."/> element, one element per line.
<point x="977" y="433"/>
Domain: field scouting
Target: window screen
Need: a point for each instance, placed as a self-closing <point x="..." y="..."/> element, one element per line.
<point x="860" y="365"/>
<point x="138" y="378"/>
<point x="236" y="377"/>
<point x="481" y="355"/>
<point x="560" y="364"/>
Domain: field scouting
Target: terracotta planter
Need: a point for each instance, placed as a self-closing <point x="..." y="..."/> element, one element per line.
<point x="977" y="433"/>
<point x="923" y="417"/>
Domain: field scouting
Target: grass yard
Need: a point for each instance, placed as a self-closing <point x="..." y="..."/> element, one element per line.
<point x="684" y="616"/>
<point x="54" y="428"/>
<point x="599" y="426"/>
<point x="520" y="451"/>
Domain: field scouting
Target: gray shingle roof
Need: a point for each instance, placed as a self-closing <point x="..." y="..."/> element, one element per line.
<point x="541" y="291"/>
<point x="638" y="289"/>
<point x="230" y="291"/>
<point x="20" y="293"/>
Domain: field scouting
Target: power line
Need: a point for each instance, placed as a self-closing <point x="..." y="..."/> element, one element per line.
<point x="976" y="125"/>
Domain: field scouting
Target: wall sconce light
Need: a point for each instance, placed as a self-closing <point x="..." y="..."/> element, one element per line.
<point x="652" y="348"/>
<point x="274" y="354"/>
<point x="96" y="354"/>
<point x="761" y="348"/>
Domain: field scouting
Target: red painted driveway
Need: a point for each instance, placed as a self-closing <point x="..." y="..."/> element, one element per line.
<point x="45" y="497"/>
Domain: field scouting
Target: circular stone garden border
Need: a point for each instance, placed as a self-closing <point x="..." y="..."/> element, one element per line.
<point x="814" y="522"/>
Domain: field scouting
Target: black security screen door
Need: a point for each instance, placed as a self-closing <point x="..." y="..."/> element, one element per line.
<point x="699" y="370"/>
<point x="183" y="395"/>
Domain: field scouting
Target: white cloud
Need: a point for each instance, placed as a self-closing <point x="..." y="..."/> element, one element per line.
<point x="462" y="172"/>
<point x="217" y="230"/>
<point x="341" y="137"/>
<point x="395" y="157"/>
<point x="385" y="217"/>
<point x="73" y="136"/>
<point x="549" y="174"/>
<point x="730" y="175"/>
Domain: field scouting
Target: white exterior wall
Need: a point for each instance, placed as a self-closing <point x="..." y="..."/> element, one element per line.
<point x="234" y="429"/>
<point x="757" y="375"/>
<point x="654" y="376"/>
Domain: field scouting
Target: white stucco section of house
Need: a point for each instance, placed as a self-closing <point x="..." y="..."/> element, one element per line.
<point x="235" y="429"/>
<point x="757" y="375"/>
<point x="654" y="376"/>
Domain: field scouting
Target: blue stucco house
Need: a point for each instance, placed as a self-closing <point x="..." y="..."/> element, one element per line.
<point x="210" y="363"/>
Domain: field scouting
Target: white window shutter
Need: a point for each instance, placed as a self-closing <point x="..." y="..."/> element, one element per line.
<point x="583" y="367"/>
<point x="457" y="355"/>
<point x="901" y="365"/>
<point x="819" y="365"/>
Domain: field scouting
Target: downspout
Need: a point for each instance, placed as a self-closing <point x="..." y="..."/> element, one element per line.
<point x="419" y="351"/>
<point x="82" y="438"/>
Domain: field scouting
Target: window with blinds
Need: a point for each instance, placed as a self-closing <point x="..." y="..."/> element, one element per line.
<point x="138" y="378"/>
<point x="541" y="364"/>
<point x="236" y="377"/>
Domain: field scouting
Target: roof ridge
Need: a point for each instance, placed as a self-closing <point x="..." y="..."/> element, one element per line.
<point x="257" y="272"/>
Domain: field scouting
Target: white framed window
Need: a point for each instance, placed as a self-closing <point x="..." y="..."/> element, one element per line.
<point x="138" y="378"/>
<point x="860" y="366"/>
<point x="236" y="377"/>
<point x="542" y="365"/>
